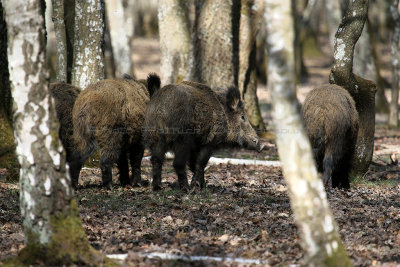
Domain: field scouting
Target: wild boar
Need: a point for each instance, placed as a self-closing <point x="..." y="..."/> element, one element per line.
<point x="109" y="115"/>
<point x="64" y="96"/>
<point x="193" y="120"/>
<point x="331" y="120"/>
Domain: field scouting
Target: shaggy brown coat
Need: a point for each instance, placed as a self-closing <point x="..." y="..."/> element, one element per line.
<point x="109" y="114"/>
<point x="331" y="120"/>
<point x="192" y="120"/>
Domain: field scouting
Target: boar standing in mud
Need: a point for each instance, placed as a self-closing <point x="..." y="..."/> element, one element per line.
<point x="109" y="115"/>
<point x="331" y="120"/>
<point x="192" y="120"/>
<point x="64" y="96"/>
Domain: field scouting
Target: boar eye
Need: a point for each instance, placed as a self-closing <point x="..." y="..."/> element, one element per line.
<point x="243" y="117"/>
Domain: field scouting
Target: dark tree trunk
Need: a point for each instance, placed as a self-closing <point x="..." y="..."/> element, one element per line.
<point x="363" y="91"/>
<point x="8" y="158"/>
<point x="250" y="20"/>
<point x="394" y="106"/>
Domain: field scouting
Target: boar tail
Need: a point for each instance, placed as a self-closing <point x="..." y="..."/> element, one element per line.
<point x="153" y="83"/>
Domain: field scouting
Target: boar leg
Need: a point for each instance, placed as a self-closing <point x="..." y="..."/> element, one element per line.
<point x="202" y="159"/>
<point x="157" y="159"/>
<point x="135" y="156"/>
<point x="76" y="161"/>
<point x="181" y="155"/>
<point x="123" y="168"/>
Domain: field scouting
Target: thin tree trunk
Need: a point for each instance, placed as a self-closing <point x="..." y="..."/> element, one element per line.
<point x="333" y="13"/>
<point x="121" y="35"/>
<point x="61" y="40"/>
<point x="88" y="64"/>
<point x="250" y="21"/>
<point x="363" y="91"/>
<point x="8" y="158"/>
<point x="69" y="19"/>
<point x="394" y="106"/>
<point x="174" y="27"/>
<point x="319" y="234"/>
<point x="215" y="48"/>
<point x="53" y="230"/>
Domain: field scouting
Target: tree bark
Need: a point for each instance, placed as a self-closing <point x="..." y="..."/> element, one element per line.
<point x="174" y="28"/>
<point x="215" y="47"/>
<point x="333" y="13"/>
<point x="121" y="34"/>
<point x="8" y="158"/>
<point x="319" y="235"/>
<point x="250" y="20"/>
<point x="53" y="230"/>
<point x="61" y="40"/>
<point x="394" y="106"/>
<point x="363" y="91"/>
<point x="88" y="63"/>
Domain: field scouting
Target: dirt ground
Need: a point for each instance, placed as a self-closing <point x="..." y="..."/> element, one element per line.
<point x="244" y="211"/>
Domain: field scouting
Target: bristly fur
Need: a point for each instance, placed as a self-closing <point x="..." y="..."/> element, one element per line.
<point x="331" y="120"/>
<point x="153" y="83"/>
<point x="192" y="120"/>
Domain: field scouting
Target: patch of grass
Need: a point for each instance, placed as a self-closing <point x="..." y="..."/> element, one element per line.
<point x="360" y="181"/>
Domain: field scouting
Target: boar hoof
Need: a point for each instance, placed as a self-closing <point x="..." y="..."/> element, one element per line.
<point x="156" y="187"/>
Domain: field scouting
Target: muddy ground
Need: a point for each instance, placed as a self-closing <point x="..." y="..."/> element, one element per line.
<point x="244" y="211"/>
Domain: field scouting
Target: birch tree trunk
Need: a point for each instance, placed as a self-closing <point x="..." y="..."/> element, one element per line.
<point x="174" y="28"/>
<point x="333" y="11"/>
<point x="215" y="47"/>
<point x="363" y="91"/>
<point x="53" y="230"/>
<point x="318" y="230"/>
<point x="88" y="63"/>
<point x="250" y="21"/>
<point x="394" y="106"/>
<point x="121" y="34"/>
<point x="61" y="40"/>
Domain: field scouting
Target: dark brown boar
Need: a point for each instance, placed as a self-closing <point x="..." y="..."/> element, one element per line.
<point x="331" y="120"/>
<point x="109" y="115"/>
<point x="192" y="120"/>
<point x="64" y="96"/>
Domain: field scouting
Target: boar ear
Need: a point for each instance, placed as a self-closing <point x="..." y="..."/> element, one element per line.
<point x="153" y="83"/>
<point x="233" y="98"/>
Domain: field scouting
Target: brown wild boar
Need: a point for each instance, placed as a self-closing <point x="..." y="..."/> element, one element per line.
<point x="192" y="120"/>
<point x="331" y="120"/>
<point x="64" y="96"/>
<point x="109" y="114"/>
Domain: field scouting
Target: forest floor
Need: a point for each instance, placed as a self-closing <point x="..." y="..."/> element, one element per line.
<point x="243" y="213"/>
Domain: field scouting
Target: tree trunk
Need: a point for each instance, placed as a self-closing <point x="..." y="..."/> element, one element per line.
<point x="333" y="13"/>
<point x="121" y="34"/>
<point x="53" y="230"/>
<point x="174" y="27"/>
<point x="363" y="91"/>
<point x="88" y="63"/>
<point x="394" y="106"/>
<point x="319" y="235"/>
<point x="8" y="158"/>
<point x="216" y="44"/>
<point x="250" y="20"/>
<point x="69" y="19"/>
<point x="366" y="65"/>
<point x="61" y="40"/>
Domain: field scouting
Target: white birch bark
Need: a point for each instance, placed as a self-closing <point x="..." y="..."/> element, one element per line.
<point x="121" y="34"/>
<point x="44" y="185"/>
<point x="319" y="234"/>
<point x="88" y="63"/>
<point x="173" y="23"/>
